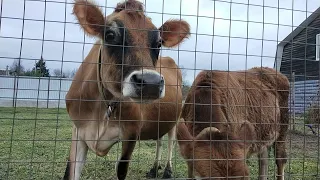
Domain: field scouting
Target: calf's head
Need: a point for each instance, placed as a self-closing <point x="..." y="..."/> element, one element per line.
<point x="215" y="153"/>
<point x="131" y="45"/>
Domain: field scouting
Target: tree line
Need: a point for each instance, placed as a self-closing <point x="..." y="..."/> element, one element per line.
<point x="39" y="70"/>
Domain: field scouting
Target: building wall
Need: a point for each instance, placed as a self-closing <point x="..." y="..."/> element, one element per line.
<point x="33" y="92"/>
<point x="304" y="94"/>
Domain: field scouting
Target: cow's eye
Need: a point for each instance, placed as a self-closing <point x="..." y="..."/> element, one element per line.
<point x="110" y="36"/>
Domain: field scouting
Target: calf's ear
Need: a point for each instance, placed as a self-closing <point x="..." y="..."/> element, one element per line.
<point x="247" y="133"/>
<point x="173" y="32"/>
<point x="208" y="133"/>
<point x="89" y="16"/>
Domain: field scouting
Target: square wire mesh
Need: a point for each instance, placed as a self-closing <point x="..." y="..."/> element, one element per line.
<point x="43" y="49"/>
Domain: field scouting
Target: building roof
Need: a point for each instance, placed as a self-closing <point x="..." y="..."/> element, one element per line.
<point x="300" y="40"/>
<point x="300" y="28"/>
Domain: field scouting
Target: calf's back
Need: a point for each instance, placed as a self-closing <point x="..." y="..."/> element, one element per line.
<point x="227" y="99"/>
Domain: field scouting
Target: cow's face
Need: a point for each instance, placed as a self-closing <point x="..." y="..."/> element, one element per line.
<point x="131" y="47"/>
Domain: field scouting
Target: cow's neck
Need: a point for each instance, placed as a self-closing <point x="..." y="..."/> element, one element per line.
<point x="108" y="99"/>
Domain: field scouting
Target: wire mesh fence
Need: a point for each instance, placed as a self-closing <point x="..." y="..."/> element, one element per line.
<point x="159" y="89"/>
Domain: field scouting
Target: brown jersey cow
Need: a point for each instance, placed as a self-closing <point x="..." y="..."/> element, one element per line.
<point x="222" y="110"/>
<point x="124" y="65"/>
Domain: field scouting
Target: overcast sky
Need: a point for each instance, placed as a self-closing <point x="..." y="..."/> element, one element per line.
<point x="222" y="34"/>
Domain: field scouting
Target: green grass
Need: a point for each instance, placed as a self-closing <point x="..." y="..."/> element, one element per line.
<point x="34" y="144"/>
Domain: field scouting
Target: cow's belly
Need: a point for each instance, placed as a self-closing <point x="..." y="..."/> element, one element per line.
<point x="155" y="130"/>
<point x="262" y="144"/>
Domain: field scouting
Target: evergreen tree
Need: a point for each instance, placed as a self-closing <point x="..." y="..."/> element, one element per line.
<point x="40" y="69"/>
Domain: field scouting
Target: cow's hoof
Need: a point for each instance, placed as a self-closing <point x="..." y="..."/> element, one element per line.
<point x="167" y="174"/>
<point x="153" y="172"/>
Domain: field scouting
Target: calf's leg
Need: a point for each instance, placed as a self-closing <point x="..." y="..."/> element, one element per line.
<point x="281" y="156"/>
<point x="263" y="164"/>
<point x="171" y="138"/>
<point x="153" y="173"/>
<point x="77" y="157"/>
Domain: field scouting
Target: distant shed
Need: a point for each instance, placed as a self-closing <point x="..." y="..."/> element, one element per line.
<point x="299" y="54"/>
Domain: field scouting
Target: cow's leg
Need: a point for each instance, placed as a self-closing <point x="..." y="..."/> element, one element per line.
<point x="77" y="157"/>
<point x="281" y="155"/>
<point x="171" y="139"/>
<point x="123" y="163"/>
<point x="263" y="164"/>
<point x="153" y="173"/>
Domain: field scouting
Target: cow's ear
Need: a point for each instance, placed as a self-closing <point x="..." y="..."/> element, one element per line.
<point x="89" y="16"/>
<point x="173" y="32"/>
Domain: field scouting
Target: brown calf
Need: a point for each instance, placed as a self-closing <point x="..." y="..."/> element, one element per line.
<point x="124" y="65"/>
<point x="222" y="109"/>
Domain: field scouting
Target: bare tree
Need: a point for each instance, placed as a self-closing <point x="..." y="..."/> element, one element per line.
<point x="184" y="75"/>
<point x="57" y="72"/>
<point x="73" y="73"/>
<point x="61" y="74"/>
<point x="66" y="74"/>
<point x="17" y="68"/>
<point x="185" y="83"/>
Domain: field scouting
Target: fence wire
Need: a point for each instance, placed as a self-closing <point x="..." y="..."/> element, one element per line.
<point x="69" y="110"/>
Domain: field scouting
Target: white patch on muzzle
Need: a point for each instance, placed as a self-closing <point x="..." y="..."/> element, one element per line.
<point x="129" y="89"/>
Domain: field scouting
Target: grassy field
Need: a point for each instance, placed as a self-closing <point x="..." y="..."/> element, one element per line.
<point x="34" y="144"/>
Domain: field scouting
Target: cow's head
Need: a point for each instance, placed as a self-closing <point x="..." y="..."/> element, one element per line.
<point x="131" y="47"/>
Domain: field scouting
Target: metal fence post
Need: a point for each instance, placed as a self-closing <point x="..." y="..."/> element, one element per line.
<point x="14" y="90"/>
<point x="293" y="96"/>
<point x="48" y="92"/>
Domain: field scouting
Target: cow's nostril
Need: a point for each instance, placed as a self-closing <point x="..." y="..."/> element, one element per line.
<point x="161" y="85"/>
<point x="162" y="81"/>
<point x="138" y="80"/>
